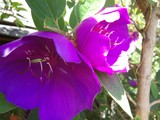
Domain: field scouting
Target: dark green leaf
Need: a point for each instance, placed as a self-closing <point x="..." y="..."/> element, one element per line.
<point x="53" y="26"/>
<point x="16" y="4"/>
<point x="39" y="23"/>
<point x="4" y="16"/>
<point x="158" y="76"/>
<point x="116" y="91"/>
<point x="20" y="9"/>
<point x="18" y="23"/>
<point x="73" y="21"/>
<point x="56" y="7"/>
<point x="84" y="9"/>
<point x="70" y="4"/>
<point x="4" y="105"/>
<point x="40" y="8"/>
<point x="62" y="24"/>
<point x="47" y="24"/>
<point x="154" y="90"/>
<point x="47" y="9"/>
<point x="50" y="23"/>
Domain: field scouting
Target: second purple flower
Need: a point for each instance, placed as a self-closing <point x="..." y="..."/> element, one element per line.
<point x="105" y="40"/>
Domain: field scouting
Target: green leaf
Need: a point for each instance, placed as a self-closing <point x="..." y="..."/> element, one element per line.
<point x="16" y="4"/>
<point x="88" y="7"/>
<point x="47" y="9"/>
<point x="50" y="23"/>
<point x="84" y="9"/>
<point x="4" y="16"/>
<point x="18" y="23"/>
<point x="73" y="20"/>
<point x="39" y="23"/>
<point x="158" y="115"/>
<point x="158" y="76"/>
<point x="53" y="26"/>
<point x="62" y="24"/>
<point x="20" y="9"/>
<point x="40" y="8"/>
<point x="109" y="3"/>
<point x="56" y="7"/>
<point x="116" y="91"/>
<point x="154" y="90"/>
<point x="71" y="3"/>
<point x="4" y="105"/>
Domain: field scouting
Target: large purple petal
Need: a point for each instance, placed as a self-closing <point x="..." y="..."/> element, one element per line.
<point x="71" y="90"/>
<point x="96" y="49"/>
<point x="19" y="85"/>
<point x="83" y="30"/>
<point x="6" y="49"/>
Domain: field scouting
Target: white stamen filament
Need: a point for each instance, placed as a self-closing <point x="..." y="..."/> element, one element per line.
<point x="63" y="70"/>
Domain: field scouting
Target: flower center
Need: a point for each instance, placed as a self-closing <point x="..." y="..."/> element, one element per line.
<point x="41" y="62"/>
<point x="103" y="28"/>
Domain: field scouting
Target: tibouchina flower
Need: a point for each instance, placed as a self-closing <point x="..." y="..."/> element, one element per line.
<point x="43" y="70"/>
<point x="104" y="39"/>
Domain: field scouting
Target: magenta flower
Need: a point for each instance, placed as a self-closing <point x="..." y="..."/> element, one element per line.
<point x="105" y="41"/>
<point x="43" y="70"/>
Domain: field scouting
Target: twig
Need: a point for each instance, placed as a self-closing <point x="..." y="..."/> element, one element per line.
<point x="155" y="102"/>
<point x="136" y="26"/>
<point x="130" y="99"/>
<point x="120" y="113"/>
<point x="53" y="29"/>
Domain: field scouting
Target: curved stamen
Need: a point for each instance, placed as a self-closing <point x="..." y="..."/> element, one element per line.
<point x="25" y="70"/>
<point x="47" y="49"/>
<point x="43" y="58"/>
<point x="50" y="72"/>
<point x="41" y="67"/>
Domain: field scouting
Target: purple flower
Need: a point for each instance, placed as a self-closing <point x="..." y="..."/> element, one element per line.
<point x="43" y="70"/>
<point x="133" y="83"/>
<point x="105" y="41"/>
